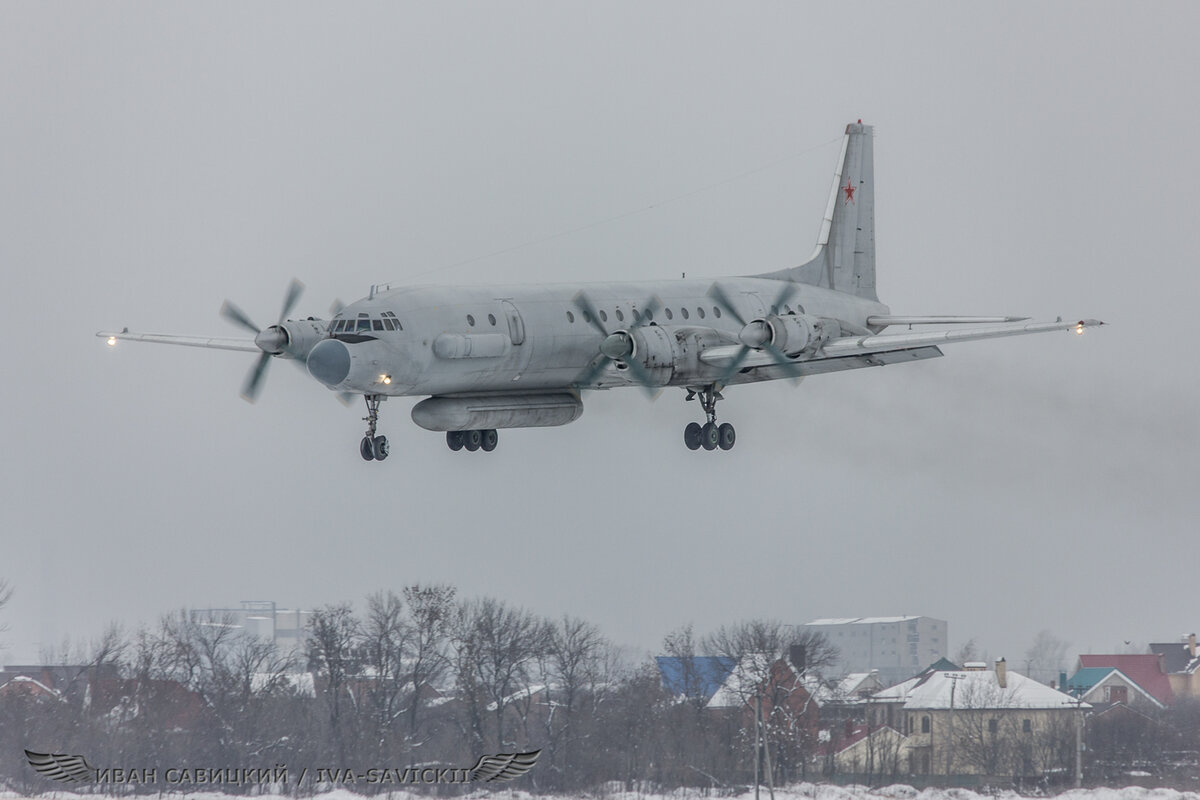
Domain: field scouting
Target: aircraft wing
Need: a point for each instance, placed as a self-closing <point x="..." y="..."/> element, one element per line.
<point x="241" y="345"/>
<point x="885" y="343"/>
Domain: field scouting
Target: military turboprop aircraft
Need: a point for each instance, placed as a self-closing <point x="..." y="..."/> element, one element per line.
<point x="492" y="357"/>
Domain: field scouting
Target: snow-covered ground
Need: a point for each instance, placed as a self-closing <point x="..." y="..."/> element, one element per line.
<point x="803" y="791"/>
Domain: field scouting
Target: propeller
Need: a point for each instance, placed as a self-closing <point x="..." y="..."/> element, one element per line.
<point x="617" y="346"/>
<point x="756" y="335"/>
<point x="271" y="341"/>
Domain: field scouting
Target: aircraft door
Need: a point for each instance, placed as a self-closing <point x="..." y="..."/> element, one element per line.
<point x="516" y="326"/>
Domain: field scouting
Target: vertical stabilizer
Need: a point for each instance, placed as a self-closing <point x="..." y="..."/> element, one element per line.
<point x="844" y="259"/>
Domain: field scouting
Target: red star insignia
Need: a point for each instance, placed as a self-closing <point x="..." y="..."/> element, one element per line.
<point x="849" y="190"/>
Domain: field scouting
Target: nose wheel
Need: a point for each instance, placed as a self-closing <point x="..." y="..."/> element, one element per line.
<point x="710" y="435"/>
<point x="372" y="447"/>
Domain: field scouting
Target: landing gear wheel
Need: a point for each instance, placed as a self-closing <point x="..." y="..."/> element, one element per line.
<point x="472" y="440"/>
<point x="490" y="440"/>
<point x="709" y="436"/>
<point x="691" y="436"/>
<point x="379" y="447"/>
<point x="366" y="450"/>
<point x="454" y="440"/>
<point x="726" y="436"/>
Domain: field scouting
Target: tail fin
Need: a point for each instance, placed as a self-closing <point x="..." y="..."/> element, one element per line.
<point x="844" y="259"/>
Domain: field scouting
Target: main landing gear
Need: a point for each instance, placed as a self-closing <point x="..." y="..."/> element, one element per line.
<point x="710" y="435"/>
<point x="372" y="447"/>
<point x="485" y="440"/>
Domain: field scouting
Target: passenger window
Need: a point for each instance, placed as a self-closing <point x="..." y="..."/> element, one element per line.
<point x="492" y="319"/>
<point x="620" y="316"/>
<point x="667" y="311"/>
<point x="570" y="317"/>
<point x="471" y="320"/>
<point x="603" y="315"/>
<point x="700" y="313"/>
<point x="377" y="324"/>
<point x="684" y="312"/>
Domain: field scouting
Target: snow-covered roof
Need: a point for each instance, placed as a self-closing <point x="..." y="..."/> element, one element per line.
<point x="976" y="689"/>
<point x="742" y="681"/>
<point x="29" y="684"/>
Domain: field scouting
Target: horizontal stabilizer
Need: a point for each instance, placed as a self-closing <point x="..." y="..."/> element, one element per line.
<point x="241" y="345"/>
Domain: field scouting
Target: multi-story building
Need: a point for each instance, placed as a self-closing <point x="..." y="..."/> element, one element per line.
<point x="284" y="627"/>
<point x="898" y="647"/>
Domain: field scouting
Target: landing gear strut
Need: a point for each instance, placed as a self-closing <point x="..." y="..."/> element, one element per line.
<point x="372" y="447"/>
<point x="485" y="440"/>
<point x="710" y="435"/>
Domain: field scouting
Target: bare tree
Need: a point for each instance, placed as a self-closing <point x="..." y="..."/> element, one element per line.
<point x="332" y="653"/>
<point x="496" y="646"/>
<point x="431" y="610"/>
<point x="967" y="651"/>
<point x="575" y="650"/>
<point x="6" y="593"/>
<point x="1046" y="657"/>
<point x="383" y="637"/>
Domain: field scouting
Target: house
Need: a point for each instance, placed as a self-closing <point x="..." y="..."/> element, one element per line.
<point x="1106" y="686"/>
<point x="979" y="721"/>
<point x="1181" y="662"/>
<point x="867" y="752"/>
<point x="22" y="686"/>
<point x="1146" y="670"/>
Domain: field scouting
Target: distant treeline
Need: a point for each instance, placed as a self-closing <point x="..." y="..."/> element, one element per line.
<point x="424" y="678"/>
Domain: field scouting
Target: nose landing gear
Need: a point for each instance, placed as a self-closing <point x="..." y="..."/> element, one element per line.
<point x="372" y="447"/>
<point x="710" y="435"/>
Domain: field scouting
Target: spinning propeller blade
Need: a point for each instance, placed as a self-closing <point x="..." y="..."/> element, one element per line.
<point x="268" y="343"/>
<point x="786" y="292"/>
<point x="599" y="364"/>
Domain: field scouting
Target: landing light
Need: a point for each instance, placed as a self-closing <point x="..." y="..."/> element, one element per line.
<point x="387" y="379"/>
<point x="1079" y="329"/>
<point x="112" y="341"/>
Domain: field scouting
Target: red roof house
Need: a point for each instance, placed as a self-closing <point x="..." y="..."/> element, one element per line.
<point x="1146" y="670"/>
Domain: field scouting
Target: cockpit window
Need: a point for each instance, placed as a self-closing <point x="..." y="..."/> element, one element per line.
<point x="364" y="324"/>
<point x="377" y="324"/>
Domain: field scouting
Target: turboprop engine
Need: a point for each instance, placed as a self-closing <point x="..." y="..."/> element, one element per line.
<point x="293" y="338"/>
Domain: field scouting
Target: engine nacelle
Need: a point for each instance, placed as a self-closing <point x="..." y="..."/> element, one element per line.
<point x="657" y="351"/>
<point x="791" y="333"/>
<point x="293" y="338"/>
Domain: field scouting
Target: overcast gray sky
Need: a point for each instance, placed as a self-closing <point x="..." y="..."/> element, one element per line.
<point x="1034" y="159"/>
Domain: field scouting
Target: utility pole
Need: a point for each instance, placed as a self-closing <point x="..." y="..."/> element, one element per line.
<point x="1079" y="742"/>
<point x="757" y="750"/>
<point x="954" y="678"/>
<point x="767" y="752"/>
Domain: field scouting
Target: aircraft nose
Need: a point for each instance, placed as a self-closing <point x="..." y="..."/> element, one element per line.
<point x="329" y="362"/>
